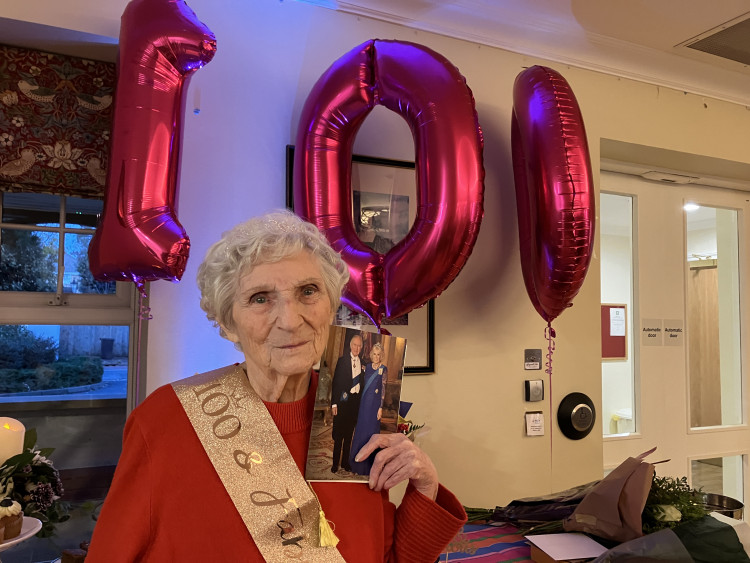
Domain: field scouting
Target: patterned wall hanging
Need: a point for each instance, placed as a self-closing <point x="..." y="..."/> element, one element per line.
<point x="55" y="122"/>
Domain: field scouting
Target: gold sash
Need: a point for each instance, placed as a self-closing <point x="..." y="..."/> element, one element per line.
<point x="277" y="505"/>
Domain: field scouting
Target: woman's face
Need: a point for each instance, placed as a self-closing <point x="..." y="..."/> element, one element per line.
<point x="281" y="316"/>
<point x="375" y="355"/>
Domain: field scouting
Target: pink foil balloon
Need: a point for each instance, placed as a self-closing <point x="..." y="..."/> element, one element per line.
<point x="139" y="237"/>
<point x="554" y="189"/>
<point x="432" y="96"/>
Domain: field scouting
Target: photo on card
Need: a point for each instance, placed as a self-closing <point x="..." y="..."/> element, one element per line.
<point x="359" y="389"/>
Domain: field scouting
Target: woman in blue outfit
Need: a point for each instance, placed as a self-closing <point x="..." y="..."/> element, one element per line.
<point x="370" y="409"/>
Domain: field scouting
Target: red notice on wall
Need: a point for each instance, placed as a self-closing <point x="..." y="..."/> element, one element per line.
<point x="614" y="332"/>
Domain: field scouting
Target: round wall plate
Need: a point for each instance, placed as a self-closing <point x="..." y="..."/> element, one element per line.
<point x="576" y="416"/>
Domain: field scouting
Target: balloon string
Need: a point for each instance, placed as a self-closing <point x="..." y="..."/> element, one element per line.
<point x="144" y="314"/>
<point x="549" y="334"/>
<point x="144" y="311"/>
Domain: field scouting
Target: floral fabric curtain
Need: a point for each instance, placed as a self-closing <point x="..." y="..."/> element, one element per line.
<point x="55" y="122"/>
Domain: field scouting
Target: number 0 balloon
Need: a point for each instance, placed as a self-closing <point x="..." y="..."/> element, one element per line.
<point x="432" y="96"/>
<point x="139" y="237"/>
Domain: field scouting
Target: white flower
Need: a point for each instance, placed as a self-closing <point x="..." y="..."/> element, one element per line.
<point x="35" y="70"/>
<point x="667" y="513"/>
<point x="6" y="139"/>
<point x="62" y="154"/>
<point x="98" y="82"/>
<point x="17" y="121"/>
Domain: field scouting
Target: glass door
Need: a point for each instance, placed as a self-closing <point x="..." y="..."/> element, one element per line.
<point x="688" y="378"/>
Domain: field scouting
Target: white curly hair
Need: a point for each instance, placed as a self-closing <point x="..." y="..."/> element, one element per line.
<point x="267" y="238"/>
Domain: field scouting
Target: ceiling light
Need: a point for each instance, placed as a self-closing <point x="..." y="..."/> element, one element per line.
<point x="689" y="207"/>
<point x="668" y="177"/>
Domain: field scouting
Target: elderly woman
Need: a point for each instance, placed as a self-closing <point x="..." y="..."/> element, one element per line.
<point x="211" y="468"/>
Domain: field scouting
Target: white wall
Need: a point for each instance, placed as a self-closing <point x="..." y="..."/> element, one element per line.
<point x="269" y="55"/>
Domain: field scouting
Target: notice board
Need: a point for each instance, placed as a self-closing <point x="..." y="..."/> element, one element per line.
<point x="614" y="331"/>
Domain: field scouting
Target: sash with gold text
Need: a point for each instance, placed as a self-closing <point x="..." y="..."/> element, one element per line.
<point x="255" y="465"/>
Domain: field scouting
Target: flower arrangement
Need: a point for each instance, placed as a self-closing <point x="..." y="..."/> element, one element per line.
<point x="405" y="426"/>
<point x="408" y="428"/>
<point x="670" y="502"/>
<point x="31" y="479"/>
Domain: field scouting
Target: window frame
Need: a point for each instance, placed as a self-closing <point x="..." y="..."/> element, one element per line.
<point x="121" y="298"/>
<point x="61" y="308"/>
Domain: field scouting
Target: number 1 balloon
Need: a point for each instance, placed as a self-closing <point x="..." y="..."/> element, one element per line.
<point x="554" y="191"/>
<point x="432" y="96"/>
<point x="139" y="237"/>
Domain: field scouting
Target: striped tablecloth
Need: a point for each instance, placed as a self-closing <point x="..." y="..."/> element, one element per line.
<point x="480" y="543"/>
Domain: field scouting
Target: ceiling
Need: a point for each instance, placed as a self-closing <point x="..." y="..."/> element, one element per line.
<point x="57" y="40"/>
<point x="646" y="40"/>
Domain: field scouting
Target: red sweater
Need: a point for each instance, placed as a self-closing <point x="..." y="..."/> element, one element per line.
<point x="167" y="502"/>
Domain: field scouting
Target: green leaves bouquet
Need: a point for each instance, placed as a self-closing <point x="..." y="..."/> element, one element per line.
<point x="30" y="478"/>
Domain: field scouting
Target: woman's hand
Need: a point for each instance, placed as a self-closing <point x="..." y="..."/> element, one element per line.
<point x="399" y="459"/>
<point x="380" y="414"/>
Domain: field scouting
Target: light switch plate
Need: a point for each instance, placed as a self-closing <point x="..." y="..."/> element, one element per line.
<point x="534" y="390"/>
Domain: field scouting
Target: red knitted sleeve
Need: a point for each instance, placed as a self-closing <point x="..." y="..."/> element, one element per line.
<point x="424" y="528"/>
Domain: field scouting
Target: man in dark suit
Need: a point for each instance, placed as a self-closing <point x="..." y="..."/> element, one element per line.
<point x="345" y="394"/>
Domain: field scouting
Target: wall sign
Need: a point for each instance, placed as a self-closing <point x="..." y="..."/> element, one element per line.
<point x="651" y="332"/>
<point x="674" y="333"/>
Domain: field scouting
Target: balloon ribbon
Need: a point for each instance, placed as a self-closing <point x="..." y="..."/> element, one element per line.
<point x="549" y="334"/>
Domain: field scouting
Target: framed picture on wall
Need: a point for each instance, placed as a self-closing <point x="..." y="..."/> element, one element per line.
<point x="384" y="200"/>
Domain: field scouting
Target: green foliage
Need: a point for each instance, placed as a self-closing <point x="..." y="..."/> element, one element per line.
<point x="669" y="491"/>
<point x="71" y="372"/>
<point x="478" y="514"/>
<point x="20" y="348"/>
<point x="25" y="264"/>
<point x="31" y="479"/>
<point x="87" y="282"/>
<point x="78" y="370"/>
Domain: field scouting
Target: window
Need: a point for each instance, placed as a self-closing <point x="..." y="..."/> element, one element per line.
<point x="719" y="475"/>
<point x="63" y="362"/>
<point x="63" y="334"/>
<point x="618" y="375"/>
<point x="713" y="316"/>
<point x="44" y="241"/>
